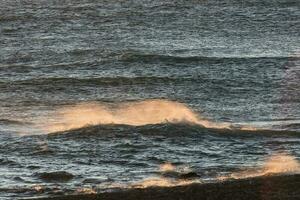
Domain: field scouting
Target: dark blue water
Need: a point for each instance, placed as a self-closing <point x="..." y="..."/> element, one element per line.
<point x="233" y="62"/>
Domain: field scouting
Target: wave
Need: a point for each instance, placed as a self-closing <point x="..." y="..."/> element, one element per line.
<point x="166" y="130"/>
<point x="11" y="18"/>
<point x="9" y="162"/>
<point x="13" y="122"/>
<point x="114" y="81"/>
<point x="146" y="117"/>
<point x="140" y="113"/>
<point x="104" y="81"/>
<point x="280" y="163"/>
<point x="139" y="57"/>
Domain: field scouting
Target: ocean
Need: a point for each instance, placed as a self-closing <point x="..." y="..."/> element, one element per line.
<point x="100" y="95"/>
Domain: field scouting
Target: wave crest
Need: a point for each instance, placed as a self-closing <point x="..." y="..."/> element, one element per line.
<point x="134" y="113"/>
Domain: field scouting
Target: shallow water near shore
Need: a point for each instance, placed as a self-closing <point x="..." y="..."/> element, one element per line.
<point x="101" y="95"/>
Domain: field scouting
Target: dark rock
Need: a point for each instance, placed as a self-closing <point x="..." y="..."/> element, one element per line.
<point x="59" y="176"/>
<point x="189" y="175"/>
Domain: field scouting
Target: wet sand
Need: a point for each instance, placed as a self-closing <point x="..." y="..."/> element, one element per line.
<point x="281" y="187"/>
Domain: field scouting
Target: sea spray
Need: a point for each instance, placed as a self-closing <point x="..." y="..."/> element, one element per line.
<point x="134" y="113"/>
<point x="280" y="163"/>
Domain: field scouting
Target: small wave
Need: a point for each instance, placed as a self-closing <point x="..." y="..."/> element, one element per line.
<point x="294" y="126"/>
<point x="8" y="162"/>
<point x="10" y="18"/>
<point x="170" y="176"/>
<point x="168" y="170"/>
<point x="280" y="163"/>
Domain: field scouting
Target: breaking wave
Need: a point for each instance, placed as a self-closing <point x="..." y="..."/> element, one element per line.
<point x="139" y="113"/>
<point x="145" y="116"/>
<point x="280" y="163"/>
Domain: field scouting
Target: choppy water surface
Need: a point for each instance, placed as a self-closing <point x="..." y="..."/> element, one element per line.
<point x="108" y="94"/>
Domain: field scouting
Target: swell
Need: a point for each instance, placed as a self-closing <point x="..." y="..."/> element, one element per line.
<point x="138" y="57"/>
<point x="11" y="18"/>
<point x="105" y="81"/>
<point x="169" y="130"/>
<point x="13" y="122"/>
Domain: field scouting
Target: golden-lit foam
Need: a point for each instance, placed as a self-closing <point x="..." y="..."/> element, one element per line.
<point x="86" y="191"/>
<point x="282" y="163"/>
<point x="167" y="167"/>
<point x="162" y="182"/>
<point x="152" y="182"/>
<point x="157" y="181"/>
<point x="134" y="113"/>
<point x="38" y="188"/>
<point x="276" y="164"/>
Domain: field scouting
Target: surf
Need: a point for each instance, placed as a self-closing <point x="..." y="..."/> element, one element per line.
<point x="138" y="113"/>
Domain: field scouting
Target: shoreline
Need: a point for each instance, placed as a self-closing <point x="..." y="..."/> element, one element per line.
<point x="279" y="187"/>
